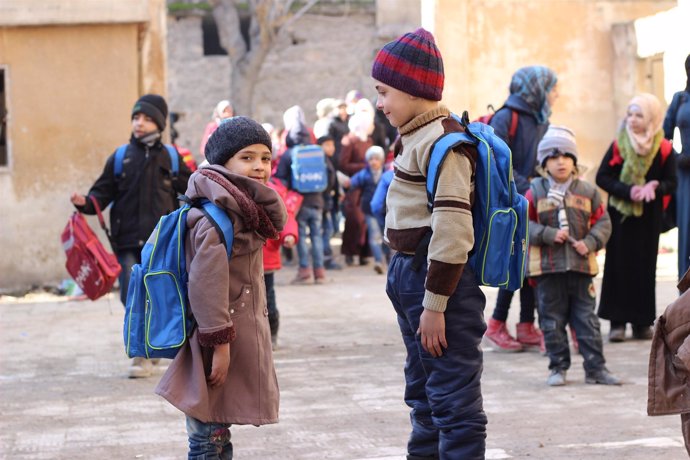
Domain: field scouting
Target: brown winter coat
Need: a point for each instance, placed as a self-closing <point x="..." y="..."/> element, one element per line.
<point x="669" y="361"/>
<point x="227" y="300"/>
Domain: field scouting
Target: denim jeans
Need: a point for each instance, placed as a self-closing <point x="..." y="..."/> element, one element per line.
<point x="327" y="231"/>
<point x="127" y="259"/>
<point x="444" y="393"/>
<point x="570" y="298"/>
<point x="374" y="236"/>
<point x="310" y="218"/>
<point x="208" y="441"/>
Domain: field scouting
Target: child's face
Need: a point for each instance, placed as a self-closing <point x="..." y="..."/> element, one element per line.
<point x="395" y="104"/>
<point x="560" y="167"/>
<point x="253" y="161"/>
<point x="328" y="148"/>
<point x="142" y="125"/>
<point x="375" y="163"/>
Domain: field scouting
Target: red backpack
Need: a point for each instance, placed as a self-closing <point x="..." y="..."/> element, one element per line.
<point x="92" y="267"/>
<point x="486" y="119"/>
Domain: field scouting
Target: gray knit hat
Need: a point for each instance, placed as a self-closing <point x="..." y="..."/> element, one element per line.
<point x="234" y="134"/>
<point x="557" y="139"/>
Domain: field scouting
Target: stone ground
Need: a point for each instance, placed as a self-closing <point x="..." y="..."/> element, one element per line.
<point x="64" y="392"/>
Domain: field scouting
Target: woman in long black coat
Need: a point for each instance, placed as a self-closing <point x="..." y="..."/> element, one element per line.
<point x="638" y="169"/>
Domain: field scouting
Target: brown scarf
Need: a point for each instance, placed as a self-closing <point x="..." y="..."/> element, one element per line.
<point x="254" y="216"/>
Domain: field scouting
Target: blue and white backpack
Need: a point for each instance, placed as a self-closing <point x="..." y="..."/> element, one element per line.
<point x="500" y="213"/>
<point x="157" y="316"/>
<point x="309" y="172"/>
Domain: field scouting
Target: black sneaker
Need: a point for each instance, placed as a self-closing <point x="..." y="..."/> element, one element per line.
<point x="603" y="377"/>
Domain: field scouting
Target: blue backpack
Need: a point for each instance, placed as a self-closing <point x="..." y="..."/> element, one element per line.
<point x="309" y="172"/>
<point x="157" y="317"/>
<point x="500" y="213"/>
<point x="122" y="150"/>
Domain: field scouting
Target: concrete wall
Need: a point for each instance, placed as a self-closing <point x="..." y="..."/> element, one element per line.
<point x="490" y="39"/>
<point x="320" y="56"/>
<point x="73" y="70"/>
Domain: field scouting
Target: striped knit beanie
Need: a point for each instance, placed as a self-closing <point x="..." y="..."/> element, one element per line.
<point x="411" y="64"/>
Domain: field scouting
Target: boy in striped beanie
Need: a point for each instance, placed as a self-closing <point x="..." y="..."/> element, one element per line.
<point x="437" y="298"/>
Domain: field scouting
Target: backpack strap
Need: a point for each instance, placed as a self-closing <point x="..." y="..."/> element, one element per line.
<point x="221" y="221"/>
<point x="122" y="151"/>
<point x="513" y="125"/>
<point x="174" y="159"/>
<point x="439" y="151"/>
<point x="119" y="160"/>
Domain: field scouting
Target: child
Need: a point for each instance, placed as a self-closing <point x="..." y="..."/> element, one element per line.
<point x="568" y="224"/>
<point x="272" y="260"/>
<point x="224" y="374"/>
<point x="331" y="198"/>
<point x="437" y="300"/>
<point x="146" y="189"/>
<point x="366" y="180"/>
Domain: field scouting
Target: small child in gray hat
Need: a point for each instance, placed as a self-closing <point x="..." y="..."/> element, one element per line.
<point x="568" y="224"/>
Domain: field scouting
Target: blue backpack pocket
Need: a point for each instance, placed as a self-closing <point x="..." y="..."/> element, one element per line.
<point x="135" y="312"/>
<point x="500" y="233"/>
<point x="166" y="318"/>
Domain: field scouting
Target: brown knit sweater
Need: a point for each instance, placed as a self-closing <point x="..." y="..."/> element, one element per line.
<point x="408" y="219"/>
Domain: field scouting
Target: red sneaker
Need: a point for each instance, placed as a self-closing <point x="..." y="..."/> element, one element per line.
<point x="528" y="335"/>
<point x="498" y="336"/>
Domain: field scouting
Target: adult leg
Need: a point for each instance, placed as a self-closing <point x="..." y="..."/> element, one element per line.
<point x="208" y="441"/>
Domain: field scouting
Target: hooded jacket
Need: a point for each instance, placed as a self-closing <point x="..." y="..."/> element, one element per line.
<point x="526" y="140"/>
<point x="669" y="361"/>
<point x="227" y="299"/>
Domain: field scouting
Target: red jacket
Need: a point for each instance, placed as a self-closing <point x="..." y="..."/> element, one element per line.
<point x="292" y="202"/>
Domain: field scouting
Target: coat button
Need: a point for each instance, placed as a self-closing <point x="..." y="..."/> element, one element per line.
<point x="232" y="310"/>
<point x="242" y="304"/>
<point x="247" y="291"/>
<point x="265" y="311"/>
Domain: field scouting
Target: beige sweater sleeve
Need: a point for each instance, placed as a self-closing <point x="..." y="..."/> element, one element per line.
<point x="453" y="234"/>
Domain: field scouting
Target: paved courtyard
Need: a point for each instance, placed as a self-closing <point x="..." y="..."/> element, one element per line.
<point x="64" y="392"/>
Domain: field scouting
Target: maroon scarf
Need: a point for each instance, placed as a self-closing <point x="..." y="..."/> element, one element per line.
<point x="254" y="216"/>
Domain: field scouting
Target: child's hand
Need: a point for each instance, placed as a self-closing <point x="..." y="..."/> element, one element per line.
<point x="432" y="328"/>
<point x="77" y="199"/>
<point x="220" y="365"/>
<point x="580" y="247"/>
<point x="649" y="190"/>
<point x="289" y="241"/>
<point x="561" y="236"/>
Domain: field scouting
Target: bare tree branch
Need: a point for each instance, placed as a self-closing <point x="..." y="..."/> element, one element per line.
<point x="228" y="21"/>
<point x="299" y="13"/>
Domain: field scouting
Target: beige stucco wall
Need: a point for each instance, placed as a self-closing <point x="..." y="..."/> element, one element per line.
<point x="485" y="41"/>
<point x="70" y="91"/>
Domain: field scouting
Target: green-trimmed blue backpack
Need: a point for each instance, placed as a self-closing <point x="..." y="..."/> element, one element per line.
<point x="500" y="213"/>
<point x="157" y="316"/>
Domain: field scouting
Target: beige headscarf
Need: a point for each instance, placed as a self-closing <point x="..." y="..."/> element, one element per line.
<point x="652" y="116"/>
